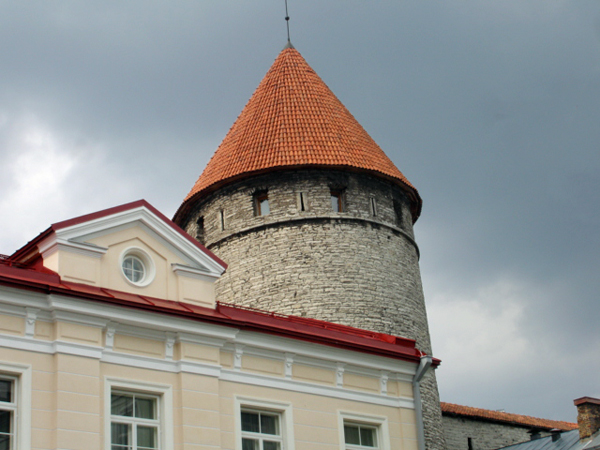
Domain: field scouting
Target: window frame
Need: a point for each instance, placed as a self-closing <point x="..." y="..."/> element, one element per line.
<point x="259" y="435"/>
<point x="339" y="194"/>
<point x="283" y="410"/>
<point x="361" y="426"/>
<point x="21" y="404"/>
<point x="134" y="421"/>
<point x="164" y="408"/>
<point x="147" y="263"/>
<point x="258" y="198"/>
<point x="378" y="423"/>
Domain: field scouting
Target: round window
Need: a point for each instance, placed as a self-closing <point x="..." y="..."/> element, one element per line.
<point x="134" y="269"/>
<point x="137" y="267"/>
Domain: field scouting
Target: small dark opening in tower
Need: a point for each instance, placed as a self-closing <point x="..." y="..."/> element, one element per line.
<point x="200" y="230"/>
<point x="261" y="203"/>
<point x="337" y="200"/>
<point x="302" y="201"/>
<point x="373" y="206"/>
<point x="470" y="443"/>
<point x="398" y="213"/>
<point x="222" y="219"/>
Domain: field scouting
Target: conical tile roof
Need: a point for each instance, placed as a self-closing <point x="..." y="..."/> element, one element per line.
<point x="293" y="121"/>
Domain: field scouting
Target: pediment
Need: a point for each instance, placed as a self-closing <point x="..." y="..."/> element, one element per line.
<point x="132" y="248"/>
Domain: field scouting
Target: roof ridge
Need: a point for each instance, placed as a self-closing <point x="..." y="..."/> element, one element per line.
<point x="501" y="416"/>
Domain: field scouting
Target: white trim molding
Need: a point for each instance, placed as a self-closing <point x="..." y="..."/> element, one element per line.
<point x="143" y="217"/>
<point x="192" y="272"/>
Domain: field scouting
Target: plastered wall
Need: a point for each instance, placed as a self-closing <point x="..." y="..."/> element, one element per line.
<point x="69" y="390"/>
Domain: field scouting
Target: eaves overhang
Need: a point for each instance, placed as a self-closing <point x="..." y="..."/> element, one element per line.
<point x="416" y="203"/>
<point x="309" y="330"/>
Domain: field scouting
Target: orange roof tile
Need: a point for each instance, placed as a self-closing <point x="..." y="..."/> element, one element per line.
<point x="498" y="416"/>
<point x="293" y="121"/>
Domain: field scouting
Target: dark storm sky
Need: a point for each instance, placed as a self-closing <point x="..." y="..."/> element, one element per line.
<point x="490" y="108"/>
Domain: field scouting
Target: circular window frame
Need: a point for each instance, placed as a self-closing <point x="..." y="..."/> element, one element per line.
<point x="147" y="263"/>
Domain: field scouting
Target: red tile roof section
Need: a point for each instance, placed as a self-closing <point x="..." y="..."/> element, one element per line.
<point x="504" y="417"/>
<point x="310" y="330"/>
<point x="294" y="121"/>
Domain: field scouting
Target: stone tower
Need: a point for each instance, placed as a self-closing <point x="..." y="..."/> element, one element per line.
<point x="312" y="217"/>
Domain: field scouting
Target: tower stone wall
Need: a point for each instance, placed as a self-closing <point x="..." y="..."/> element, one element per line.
<point x="358" y="267"/>
<point x="354" y="267"/>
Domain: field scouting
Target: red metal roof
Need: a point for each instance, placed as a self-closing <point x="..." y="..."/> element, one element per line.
<point x="504" y="417"/>
<point x="294" y="121"/>
<point x="310" y="330"/>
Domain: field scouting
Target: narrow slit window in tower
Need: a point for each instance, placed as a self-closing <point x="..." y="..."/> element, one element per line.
<point x="200" y="230"/>
<point x="398" y="213"/>
<point x="302" y="205"/>
<point x="222" y="219"/>
<point x="373" y="203"/>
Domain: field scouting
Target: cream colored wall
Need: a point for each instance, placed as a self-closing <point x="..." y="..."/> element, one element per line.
<point x="165" y="282"/>
<point x="12" y="325"/>
<point x="77" y="267"/>
<point x="68" y="391"/>
<point x="316" y="420"/>
<point x="105" y="271"/>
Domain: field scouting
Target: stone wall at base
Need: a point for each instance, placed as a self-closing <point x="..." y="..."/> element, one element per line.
<point x="435" y="439"/>
<point x="484" y="435"/>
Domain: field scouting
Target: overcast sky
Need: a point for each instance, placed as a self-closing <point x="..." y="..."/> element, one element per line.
<point x="490" y="108"/>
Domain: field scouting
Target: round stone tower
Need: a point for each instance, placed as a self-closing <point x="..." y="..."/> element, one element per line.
<point x="312" y="218"/>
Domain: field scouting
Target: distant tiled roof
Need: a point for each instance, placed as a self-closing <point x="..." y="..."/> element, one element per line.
<point x="294" y="121"/>
<point x="497" y="416"/>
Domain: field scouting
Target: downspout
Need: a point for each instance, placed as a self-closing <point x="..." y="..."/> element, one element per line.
<point x="424" y="365"/>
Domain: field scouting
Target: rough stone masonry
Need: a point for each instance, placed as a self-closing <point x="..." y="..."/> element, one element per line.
<point x="358" y="267"/>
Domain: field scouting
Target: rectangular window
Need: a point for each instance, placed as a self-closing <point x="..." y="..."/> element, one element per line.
<point x="359" y="436"/>
<point x="222" y="219"/>
<point x="261" y="430"/>
<point x="8" y="409"/>
<point x="263" y="425"/>
<point x="261" y="204"/>
<point x="15" y="406"/>
<point x="363" y="432"/>
<point x="134" y="421"/>
<point x="137" y="415"/>
<point x="337" y="201"/>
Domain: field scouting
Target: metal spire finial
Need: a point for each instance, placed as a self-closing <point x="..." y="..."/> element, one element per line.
<point x="287" y="21"/>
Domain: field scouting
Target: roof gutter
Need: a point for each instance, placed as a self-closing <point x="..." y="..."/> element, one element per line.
<point x="222" y="319"/>
<point x="424" y="365"/>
